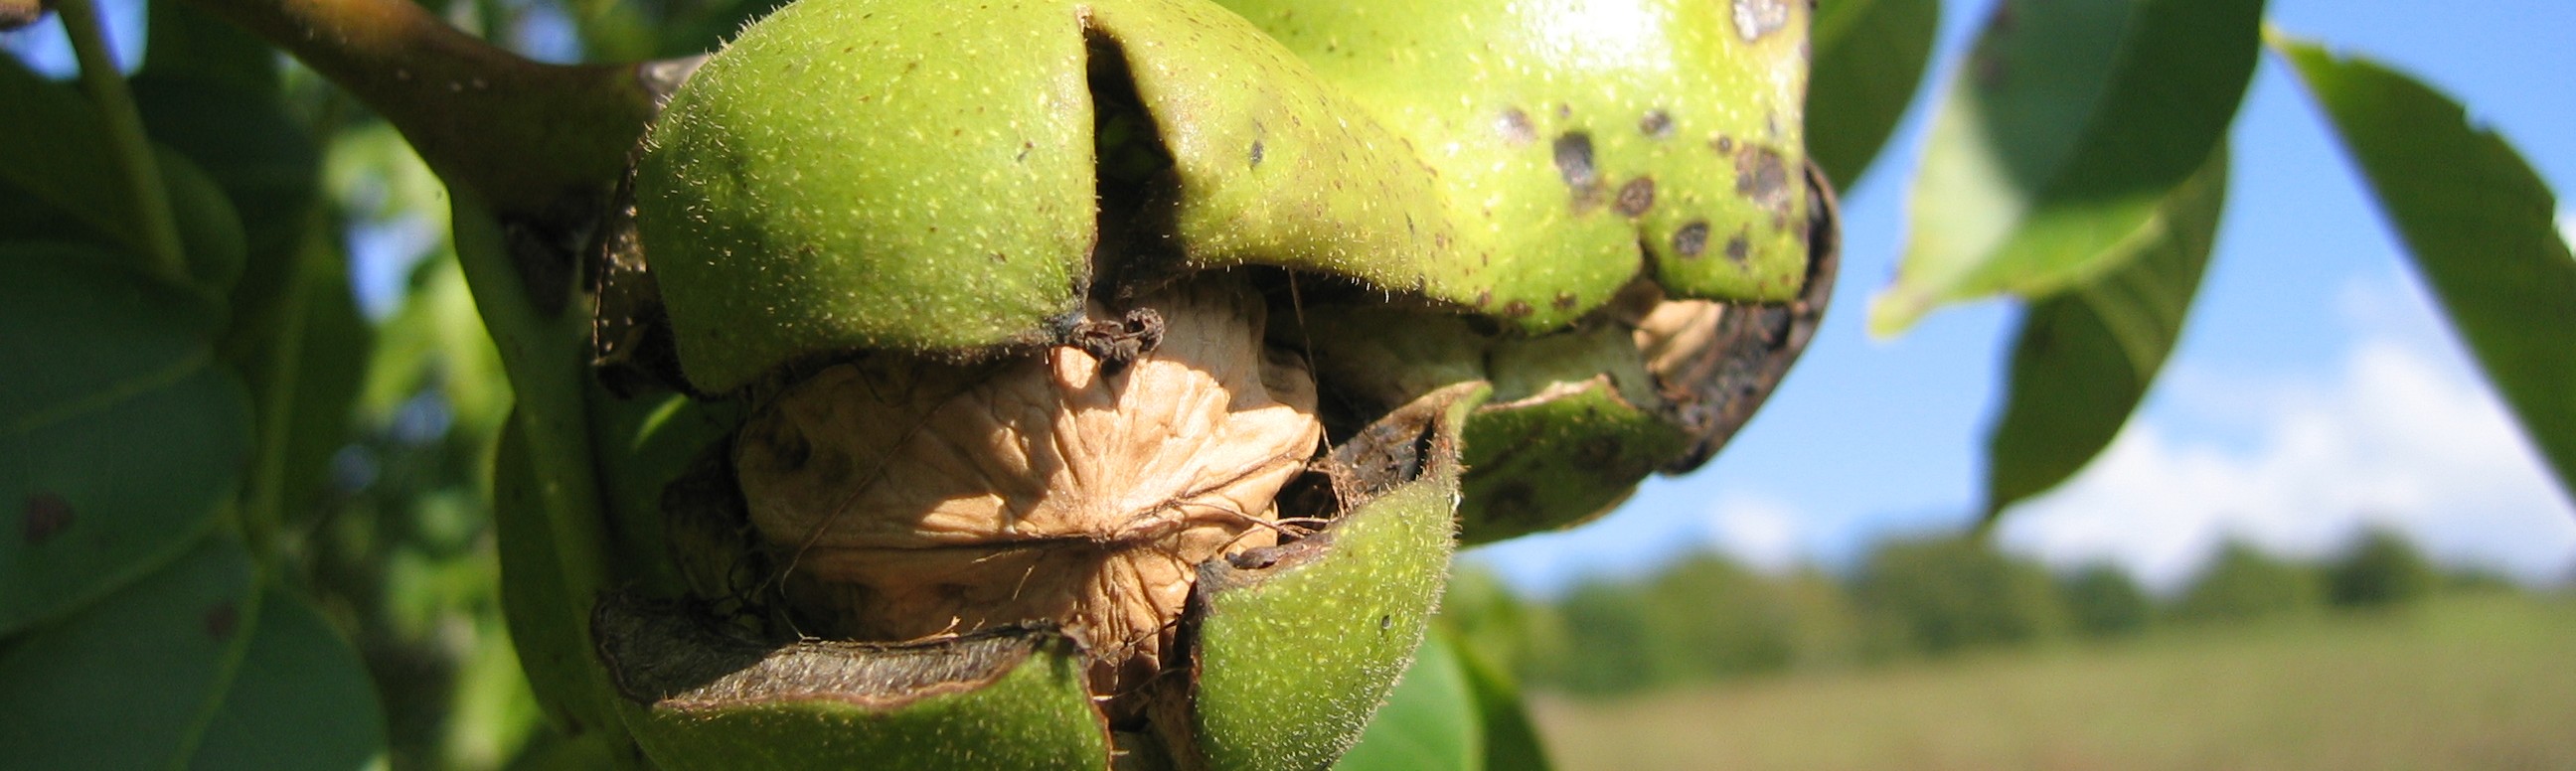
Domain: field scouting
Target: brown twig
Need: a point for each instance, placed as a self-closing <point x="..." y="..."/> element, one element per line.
<point x="524" y="134"/>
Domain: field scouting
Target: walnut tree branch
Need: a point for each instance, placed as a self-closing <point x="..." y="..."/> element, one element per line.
<point x="524" y="134"/>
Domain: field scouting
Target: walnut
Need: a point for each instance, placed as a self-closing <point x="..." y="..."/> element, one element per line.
<point x="912" y="500"/>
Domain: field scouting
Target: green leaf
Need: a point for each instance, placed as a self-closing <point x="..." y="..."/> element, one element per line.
<point x="189" y="668"/>
<point x="58" y="182"/>
<point x="265" y="162"/>
<point x="57" y="153"/>
<point x="1511" y="740"/>
<point x="121" y="685"/>
<point x="186" y="40"/>
<point x="2062" y="134"/>
<point x="2087" y="355"/>
<point x="121" y="437"/>
<point x="1869" y="61"/>
<point x="1430" y="722"/>
<point x="300" y="698"/>
<point x="2476" y="220"/>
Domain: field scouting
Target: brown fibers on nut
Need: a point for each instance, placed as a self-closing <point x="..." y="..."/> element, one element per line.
<point x="932" y="500"/>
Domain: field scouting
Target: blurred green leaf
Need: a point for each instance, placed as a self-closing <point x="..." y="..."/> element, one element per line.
<point x="1869" y="60"/>
<point x="1511" y="741"/>
<point x="2063" y="131"/>
<point x="2476" y="220"/>
<point x="436" y="339"/>
<point x="121" y="436"/>
<point x="2086" y="356"/>
<point x="188" y="668"/>
<point x="1430" y="722"/>
<point x="185" y="40"/>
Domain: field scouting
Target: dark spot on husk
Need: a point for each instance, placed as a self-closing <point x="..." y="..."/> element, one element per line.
<point x="1635" y="197"/>
<point x="1723" y="144"/>
<point x="1484" y="297"/>
<point x="1574" y="161"/>
<point x="1385" y="623"/>
<point x="220" y="621"/>
<point x="1565" y="301"/>
<point x="1691" y="239"/>
<point x="1597" y="455"/>
<point x="1761" y="177"/>
<point x="1739" y="247"/>
<point x="1517" y="309"/>
<point x="1256" y="153"/>
<point x="1515" y="127"/>
<point x="47" y="515"/>
<point x="1755" y="19"/>
<point x="1656" y="123"/>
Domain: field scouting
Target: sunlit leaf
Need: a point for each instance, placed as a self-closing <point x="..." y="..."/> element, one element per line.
<point x="1869" y="60"/>
<point x="1430" y="722"/>
<point x="2063" y="131"/>
<point x="2476" y="221"/>
<point x="2087" y="355"/>
<point x="121" y="436"/>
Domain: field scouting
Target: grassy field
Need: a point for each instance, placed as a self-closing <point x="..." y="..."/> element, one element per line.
<point x="2463" y="683"/>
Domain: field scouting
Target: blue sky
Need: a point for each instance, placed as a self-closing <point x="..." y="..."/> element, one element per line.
<point x="2314" y="388"/>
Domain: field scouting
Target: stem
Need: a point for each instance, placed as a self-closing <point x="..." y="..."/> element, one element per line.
<point x="125" y="138"/>
<point x="542" y="354"/>
<point x="263" y="510"/>
<point x="523" y="134"/>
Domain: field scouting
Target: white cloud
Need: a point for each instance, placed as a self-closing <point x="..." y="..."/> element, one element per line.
<point x="1760" y="531"/>
<point x="2405" y="435"/>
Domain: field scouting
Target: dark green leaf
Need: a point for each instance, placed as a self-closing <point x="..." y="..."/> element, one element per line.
<point x="299" y="699"/>
<point x="57" y="152"/>
<point x="59" y="182"/>
<point x="120" y="435"/>
<point x="2064" y="131"/>
<point x="186" y="40"/>
<point x="1869" y="59"/>
<point x="123" y="684"/>
<point x="2087" y="355"/>
<point x="1430" y="722"/>
<point x="186" y="665"/>
<point x="264" y="161"/>
<point x="2476" y="220"/>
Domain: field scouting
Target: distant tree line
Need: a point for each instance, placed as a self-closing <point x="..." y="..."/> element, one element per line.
<point x="1707" y="618"/>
